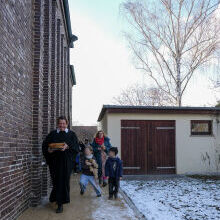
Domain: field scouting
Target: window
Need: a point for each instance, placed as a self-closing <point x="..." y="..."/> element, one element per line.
<point x="201" y="127"/>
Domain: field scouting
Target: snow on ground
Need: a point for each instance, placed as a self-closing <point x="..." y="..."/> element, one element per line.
<point x="113" y="209"/>
<point x="177" y="198"/>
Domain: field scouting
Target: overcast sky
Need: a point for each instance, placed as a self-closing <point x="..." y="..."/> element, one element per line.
<point x="103" y="62"/>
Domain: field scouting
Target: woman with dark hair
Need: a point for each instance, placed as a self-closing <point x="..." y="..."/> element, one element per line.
<point x="60" y="149"/>
<point x="101" y="145"/>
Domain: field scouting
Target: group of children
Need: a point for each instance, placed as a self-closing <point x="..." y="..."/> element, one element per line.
<point x="89" y="169"/>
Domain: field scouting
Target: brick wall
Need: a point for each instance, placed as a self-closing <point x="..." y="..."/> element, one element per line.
<point x="15" y="107"/>
<point x="66" y="83"/>
<point x="53" y="65"/>
<point x="62" y="75"/>
<point x="34" y="75"/>
<point x="70" y="99"/>
<point x="46" y="84"/>
<point x="64" y="80"/>
<point x="58" y="70"/>
<point x="37" y="53"/>
<point x="70" y="85"/>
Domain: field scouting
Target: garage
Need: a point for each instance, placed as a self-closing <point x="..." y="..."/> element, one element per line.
<point x="148" y="146"/>
<point x="164" y="140"/>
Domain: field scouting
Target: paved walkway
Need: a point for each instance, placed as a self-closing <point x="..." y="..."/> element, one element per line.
<point x="86" y="207"/>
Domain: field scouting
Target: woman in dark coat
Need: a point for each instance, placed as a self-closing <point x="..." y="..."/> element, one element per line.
<point x="60" y="161"/>
<point x="101" y="145"/>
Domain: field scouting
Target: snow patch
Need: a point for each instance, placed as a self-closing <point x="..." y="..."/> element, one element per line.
<point x="113" y="209"/>
<point x="175" y="199"/>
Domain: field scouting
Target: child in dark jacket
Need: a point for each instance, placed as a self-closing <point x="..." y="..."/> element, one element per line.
<point x="113" y="171"/>
<point x="89" y="171"/>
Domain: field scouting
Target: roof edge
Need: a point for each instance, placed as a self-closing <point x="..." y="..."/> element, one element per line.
<point x="157" y="109"/>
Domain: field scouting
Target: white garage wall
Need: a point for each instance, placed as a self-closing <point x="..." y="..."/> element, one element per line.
<point x="194" y="154"/>
<point x="103" y="124"/>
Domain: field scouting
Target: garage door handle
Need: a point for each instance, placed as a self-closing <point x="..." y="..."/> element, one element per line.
<point x="165" y="128"/>
<point x="131" y="168"/>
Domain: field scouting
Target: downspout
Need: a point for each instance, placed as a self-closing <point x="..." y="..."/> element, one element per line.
<point x="72" y="38"/>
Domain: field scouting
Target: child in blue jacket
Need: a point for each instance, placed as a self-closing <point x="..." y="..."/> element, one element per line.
<point x="113" y="171"/>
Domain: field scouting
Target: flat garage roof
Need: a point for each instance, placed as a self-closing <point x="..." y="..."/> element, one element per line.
<point x="157" y="110"/>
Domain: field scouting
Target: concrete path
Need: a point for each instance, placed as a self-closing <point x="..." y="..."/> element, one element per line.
<point x="86" y="207"/>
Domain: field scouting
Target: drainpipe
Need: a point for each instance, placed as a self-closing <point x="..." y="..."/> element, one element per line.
<point x="72" y="40"/>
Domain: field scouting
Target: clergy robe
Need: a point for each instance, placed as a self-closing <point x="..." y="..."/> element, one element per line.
<point x="61" y="163"/>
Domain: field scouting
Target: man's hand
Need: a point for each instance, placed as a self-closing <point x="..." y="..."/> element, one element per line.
<point x="65" y="147"/>
<point x="88" y="163"/>
<point x="93" y="162"/>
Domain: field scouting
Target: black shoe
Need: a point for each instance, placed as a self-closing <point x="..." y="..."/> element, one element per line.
<point x="82" y="191"/>
<point x="110" y="197"/>
<point x="59" y="209"/>
<point x="116" y="195"/>
<point x="99" y="195"/>
<point x="104" y="184"/>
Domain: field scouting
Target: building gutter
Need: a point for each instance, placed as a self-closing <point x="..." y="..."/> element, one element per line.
<point x="72" y="37"/>
<point x="157" y="110"/>
<point x="73" y="77"/>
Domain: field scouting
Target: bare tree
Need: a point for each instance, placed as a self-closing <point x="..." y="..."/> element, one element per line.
<point x="215" y="78"/>
<point x="171" y="39"/>
<point x="76" y="123"/>
<point x="218" y="104"/>
<point x="84" y="132"/>
<point x="141" y="95"/>
<point x="217" y="82"/>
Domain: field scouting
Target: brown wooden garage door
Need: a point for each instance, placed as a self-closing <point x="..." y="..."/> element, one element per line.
<point x="148" y="147"/>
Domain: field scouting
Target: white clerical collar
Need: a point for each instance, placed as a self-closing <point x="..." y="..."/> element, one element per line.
<point x="66" y="130"/>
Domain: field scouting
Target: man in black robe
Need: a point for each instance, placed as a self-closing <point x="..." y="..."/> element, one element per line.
<point x="61" y="161"/>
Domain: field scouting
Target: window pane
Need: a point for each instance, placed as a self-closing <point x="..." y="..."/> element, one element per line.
<point x="200" y="127"/>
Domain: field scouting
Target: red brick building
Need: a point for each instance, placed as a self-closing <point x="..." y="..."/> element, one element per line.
<point x="36" y="81"/>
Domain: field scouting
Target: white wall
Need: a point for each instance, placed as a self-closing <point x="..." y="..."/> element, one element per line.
<point x="103" y="125"/>
<point x="194" y="154"/>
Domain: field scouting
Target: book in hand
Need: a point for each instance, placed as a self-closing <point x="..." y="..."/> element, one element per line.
<point x="56" y="146"/>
